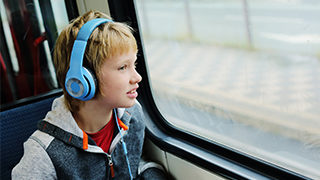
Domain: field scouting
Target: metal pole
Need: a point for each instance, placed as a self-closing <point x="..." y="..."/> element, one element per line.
<point x="145" y="18"/>
<point x="247" y="22"/>
<point x="188" y="18"/>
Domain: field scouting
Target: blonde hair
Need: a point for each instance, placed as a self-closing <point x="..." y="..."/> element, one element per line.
<point x="106" y="41"/>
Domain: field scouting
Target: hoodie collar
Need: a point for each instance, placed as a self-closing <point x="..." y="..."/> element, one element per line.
<point x="61" y="117"/>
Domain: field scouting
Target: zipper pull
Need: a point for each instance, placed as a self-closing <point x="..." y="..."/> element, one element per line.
<point x="111" y="169"/>
<point x="111" y="165"/>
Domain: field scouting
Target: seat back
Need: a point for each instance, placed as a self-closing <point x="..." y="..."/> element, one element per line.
<point x="16" y="125"/>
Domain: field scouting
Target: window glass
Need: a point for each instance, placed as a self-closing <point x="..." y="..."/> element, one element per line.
<point x="28" y="31"/>
<point x="243" y="73"/>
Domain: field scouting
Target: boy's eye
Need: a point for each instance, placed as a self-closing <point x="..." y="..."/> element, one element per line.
<point x="122" y="67"/>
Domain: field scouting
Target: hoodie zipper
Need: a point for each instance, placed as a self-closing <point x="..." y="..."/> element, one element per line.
<point x="112" y="147"/>
<point x="110" y="163"/>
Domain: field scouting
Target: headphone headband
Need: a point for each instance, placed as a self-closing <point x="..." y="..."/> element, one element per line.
<point x="79" y="81"/>
<point x="86" y="30"/>
<point x="80" y="44"/>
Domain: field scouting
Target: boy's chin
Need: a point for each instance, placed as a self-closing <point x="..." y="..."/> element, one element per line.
<point x="128" y="105"/>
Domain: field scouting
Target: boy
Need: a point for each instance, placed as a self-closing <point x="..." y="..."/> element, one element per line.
<point x="80" y="138"/>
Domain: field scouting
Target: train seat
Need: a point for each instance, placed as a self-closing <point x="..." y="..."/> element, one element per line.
<point x="16" y="125"/>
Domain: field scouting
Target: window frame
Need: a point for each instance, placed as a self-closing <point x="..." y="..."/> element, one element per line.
<point x="215" y="157"/>
<point x="212" y="156"/>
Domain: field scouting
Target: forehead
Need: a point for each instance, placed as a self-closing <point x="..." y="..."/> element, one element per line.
<point x="122" y="58"/>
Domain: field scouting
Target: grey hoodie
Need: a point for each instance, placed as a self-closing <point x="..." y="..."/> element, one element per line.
<point x="56" y="150"/>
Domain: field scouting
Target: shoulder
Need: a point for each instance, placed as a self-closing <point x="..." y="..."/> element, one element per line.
<point x="136" y="113"/>
<point x="138" y="104"/>
<point x="134" y="117"/>
<point x="35" y="162"/>
<point x="136" y="109"/>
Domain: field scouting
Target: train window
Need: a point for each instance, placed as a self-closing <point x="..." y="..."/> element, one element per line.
<point x="28" y="32"/>
<point x="242" y="73"/>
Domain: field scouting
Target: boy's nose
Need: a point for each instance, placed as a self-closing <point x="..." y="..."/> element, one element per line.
<point x="136" y="78"/>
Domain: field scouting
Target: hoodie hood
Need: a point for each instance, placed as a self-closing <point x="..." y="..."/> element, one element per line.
<point x="61" y="117"/>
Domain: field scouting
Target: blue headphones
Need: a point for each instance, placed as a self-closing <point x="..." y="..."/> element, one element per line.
<point x="80" y="82"/>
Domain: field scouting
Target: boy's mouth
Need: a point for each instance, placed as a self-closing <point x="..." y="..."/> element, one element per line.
<point x="134" y="90"/>
<point x="133" y="93"/>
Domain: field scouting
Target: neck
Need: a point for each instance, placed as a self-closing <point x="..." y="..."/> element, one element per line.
<point x="92" y="116"/>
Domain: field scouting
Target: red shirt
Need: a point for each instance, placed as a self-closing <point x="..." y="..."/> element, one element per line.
<point x="103" y="138"/>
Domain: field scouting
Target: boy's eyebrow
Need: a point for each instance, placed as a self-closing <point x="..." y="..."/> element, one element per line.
<point x="129" y="59"/>
<point x="126" y="61"/>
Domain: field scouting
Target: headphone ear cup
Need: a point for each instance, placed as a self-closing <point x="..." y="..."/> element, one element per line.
<point x="92" y="83"/>
<point x="76" y="86"/>
<point x="80" y="83"/>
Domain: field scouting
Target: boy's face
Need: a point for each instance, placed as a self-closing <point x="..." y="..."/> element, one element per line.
<point x="119" y="81"/>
